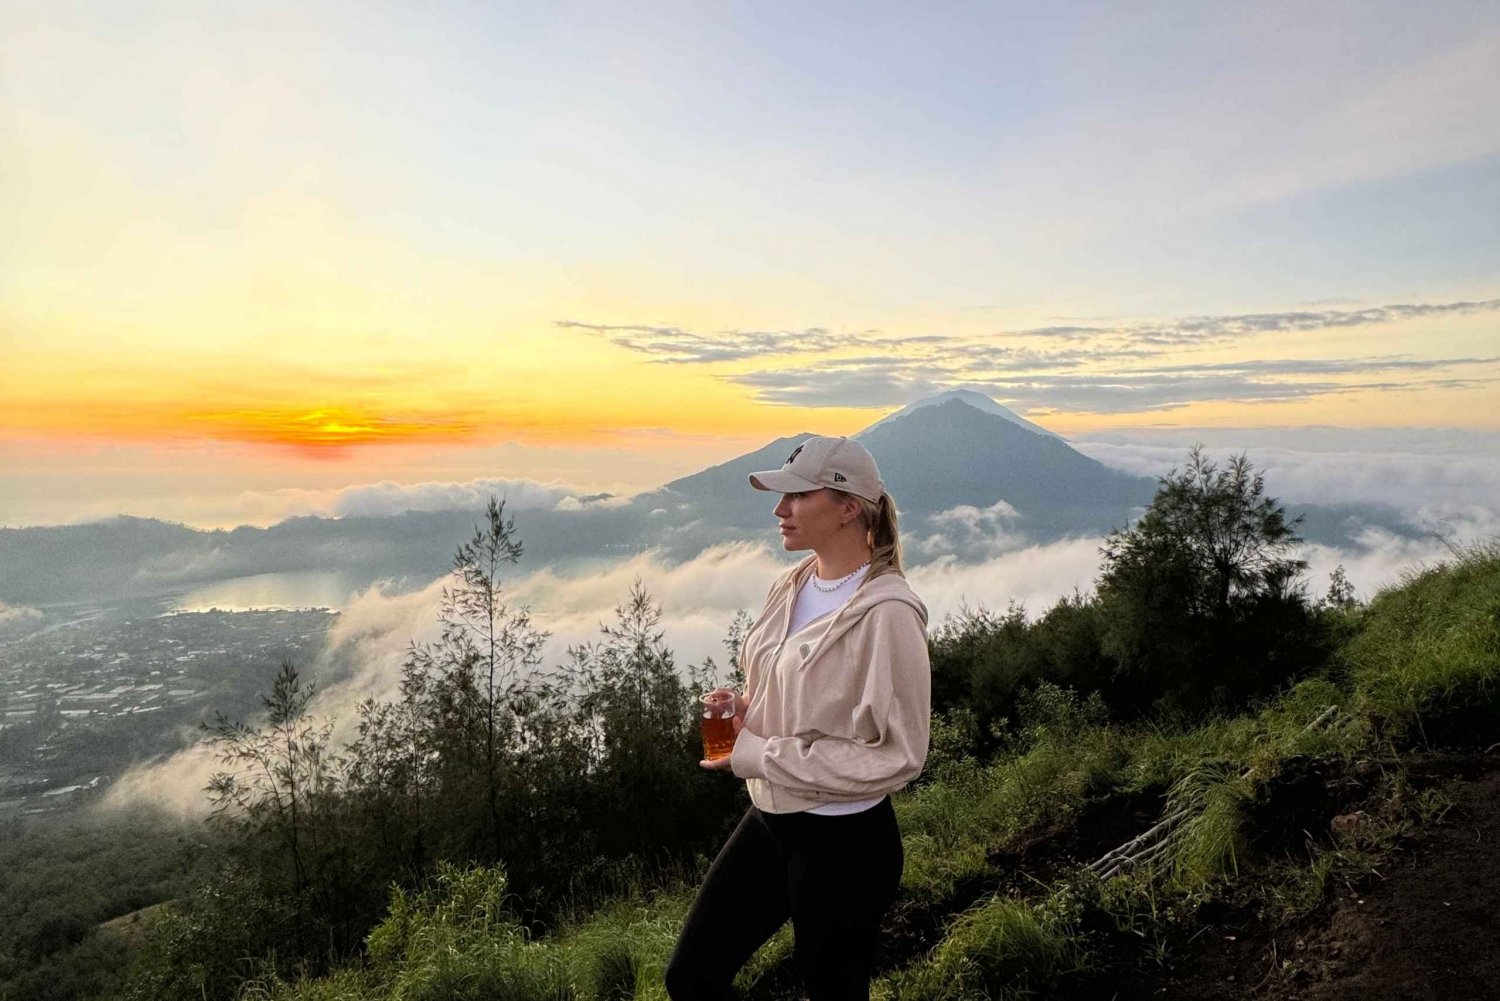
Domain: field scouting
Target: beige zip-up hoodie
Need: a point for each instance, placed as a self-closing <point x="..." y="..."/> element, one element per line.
<point x="839" y="710"/>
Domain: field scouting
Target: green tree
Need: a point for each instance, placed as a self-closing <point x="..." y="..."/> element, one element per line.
<point x="283" y="777"/>
<point x="388" y="783"/>
<point x="984" y="662"/>
<point x="1202" y="598"/>
<point x="1340" y="592"/>
<point x="734" y="641"/>
<point x="470" y="692"/>
<point x="980" y="661"/>
<point x="281" y="888"/>
<point x="478" y="760"/>
<point x="639" y="718"/>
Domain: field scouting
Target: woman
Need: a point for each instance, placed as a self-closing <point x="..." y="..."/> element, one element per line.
<point x="834" y="718"/>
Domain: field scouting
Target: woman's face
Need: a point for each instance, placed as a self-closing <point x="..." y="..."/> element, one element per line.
<point x="810" y="519"/>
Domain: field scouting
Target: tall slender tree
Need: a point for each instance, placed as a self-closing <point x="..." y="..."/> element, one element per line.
<point x="483" y="669"/>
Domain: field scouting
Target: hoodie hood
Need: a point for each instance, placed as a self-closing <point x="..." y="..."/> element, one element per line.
<point x="872" y="590"/>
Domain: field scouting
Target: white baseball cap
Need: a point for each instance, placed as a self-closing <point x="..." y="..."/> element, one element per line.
<point x="840" y="463"/>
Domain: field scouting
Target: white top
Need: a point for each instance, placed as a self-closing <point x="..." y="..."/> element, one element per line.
<point x="811" y="604"/>
<point x="814" y="604"/>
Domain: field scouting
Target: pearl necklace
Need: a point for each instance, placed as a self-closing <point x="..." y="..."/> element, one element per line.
<point x="841" y="582"/>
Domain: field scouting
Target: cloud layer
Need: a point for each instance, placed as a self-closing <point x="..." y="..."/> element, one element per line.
<point x="1425" y="473"/>
<point x="676" y="346"/>
<point x="388" y="497"/>
<point x="18" y="618"/>
<point x="1063" y="374"/>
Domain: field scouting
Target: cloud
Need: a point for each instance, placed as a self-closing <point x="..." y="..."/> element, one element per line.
<point x="1033" y="576"/>
<point x="189" y="565"/>
<point x="676" y="346"/>
<point x="976" y="518"/>
<point x="1037" y="576"/>
<point x="367" y="645"/>
<point x="974" y="531"/>
<point x="830" y="386"/>
<point x="18" y="614"/>
<point x="389" y="498"/>
<point x="19" y="618"/>
<point x="1320" y="366"/>
<point x="1423" y="473"/>
<point x="361" y="659"/>
<point x="1107" y="394"/>
<point x="1045" y="379"/>
<point x="1042" y="394"/>
<point x="592" y="502"/>
<point x="1381" y="561"/>
<point x="993" y="357"/>
<point x="1198" y="330"/>
<point x="1456" y="522"/>
<point x="174" y="785"/>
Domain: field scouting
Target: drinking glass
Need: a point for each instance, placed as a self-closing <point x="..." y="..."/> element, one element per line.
<point x="717" y="724"/>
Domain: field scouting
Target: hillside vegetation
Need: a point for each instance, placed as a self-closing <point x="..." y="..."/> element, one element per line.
<point x="507" y="831"/>
<point x="1421" y="659"/>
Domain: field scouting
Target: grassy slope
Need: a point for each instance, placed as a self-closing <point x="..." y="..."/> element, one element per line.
<point x="1423" y="666"/>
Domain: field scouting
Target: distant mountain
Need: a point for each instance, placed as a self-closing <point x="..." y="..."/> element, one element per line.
<point x="974" y="399"/>
<point x="958" y="448"/>
<point x="946" y="454"/>
<point x="96" y="557"/>
<point x="937" y="456"/>
<point x="723" y="493"/>
<point x="954" y="450"/>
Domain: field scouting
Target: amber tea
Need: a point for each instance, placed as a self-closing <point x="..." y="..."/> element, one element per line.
<point x="718" y="726"/>
<point x="718" y="736"/>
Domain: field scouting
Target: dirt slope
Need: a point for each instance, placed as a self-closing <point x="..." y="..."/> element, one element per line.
<point x="1427" y="929"/>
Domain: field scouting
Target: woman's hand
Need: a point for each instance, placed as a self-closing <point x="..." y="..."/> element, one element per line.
<point x="717" y="764"/>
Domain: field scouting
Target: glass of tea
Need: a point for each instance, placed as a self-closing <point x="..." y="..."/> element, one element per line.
<point x="718" y="724"/>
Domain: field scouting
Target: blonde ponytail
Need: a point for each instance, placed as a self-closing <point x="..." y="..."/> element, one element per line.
<point x="883" y="535"/>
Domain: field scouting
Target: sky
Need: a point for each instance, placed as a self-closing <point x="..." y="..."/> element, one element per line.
<point x="253" y="252"/>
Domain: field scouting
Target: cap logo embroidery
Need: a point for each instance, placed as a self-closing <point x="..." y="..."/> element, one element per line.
<point x="794" y="454"/>
<point x="839" y="478"/>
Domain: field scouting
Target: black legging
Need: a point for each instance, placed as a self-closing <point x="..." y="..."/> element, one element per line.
<point x="834" y="876"/>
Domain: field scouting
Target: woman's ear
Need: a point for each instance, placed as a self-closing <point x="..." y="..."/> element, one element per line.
<point x="852" y="508"/>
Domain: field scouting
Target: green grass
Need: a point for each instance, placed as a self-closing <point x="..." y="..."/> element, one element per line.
<point x="1002" y="948"/>
<point x="1430" y="648"/>
<point x="1207" y="846"/>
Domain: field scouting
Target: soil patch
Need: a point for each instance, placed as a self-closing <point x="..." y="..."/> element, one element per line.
<point x="1427" y="928"/>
